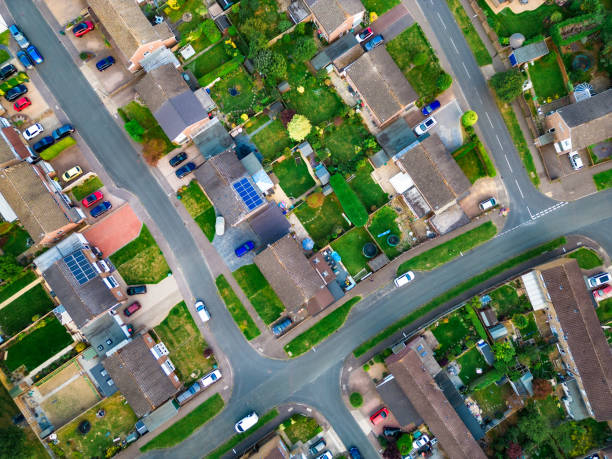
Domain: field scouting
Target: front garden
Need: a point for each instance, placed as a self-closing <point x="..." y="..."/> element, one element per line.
<point x="199" y="207"/>
<point x="474" y="160"/>
<point x="300" y="428"/>
<point x="259" y="292"/>
<point x="603" y="180"/>
<point x="87" y="187"/>
<point x="586" y="258"/>
<point x="237" y="310"/>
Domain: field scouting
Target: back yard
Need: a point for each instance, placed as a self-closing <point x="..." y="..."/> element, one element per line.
<point x="492" y="399"/>
<point x="369" y="192"/>
<point x="24" y="310"/>
<point x="382" y="221"/>
<point x="318" y="102"/>
<point x="16" y="284"/>
<point x="546" y="78"/>
<point x="272" y="140"/>
<point x="452" y="332"/>
<point x="471" y="362"/>
<point x="323" y="223"/>
<point x="15" y="240"/>
<point x="236" y="92"/>
<point x="293" y="176"/>
<point x="260" y="294"/>
<point x="210" y="60"/>
<point x="350" y="246"/>
<point x="199" y="207"/>
<point x="345" y="144"/>
<point x="506" y="302"/>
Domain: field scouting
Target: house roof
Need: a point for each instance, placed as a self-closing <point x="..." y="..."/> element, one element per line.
<point x="334" y="51"/>
<point x="161" y="56"/>
<point x="581" y="330"/>
<point x="323" y="298"/>
<point x="393" y="396"/>
<point x="498" y="331"/>
<point x="289" y="272"/>
<point x="433" y="406"/>
<point x="115" y="230"/>
<point x="381" y="83"/>
<point x="104" y="334"/>
<point x="13" y="146"/>
<point x="270" y="224"/>
<point x="397" y="138"/>
<point x="530" y="52"/>
<point x="213" y="139"/>
<point x="66" y="246"/>
<point x="297" y="11"/>
<point x="127" y="25"/>
<point x="139" y="376"/>
<point x="331" y="14"/>
<point x="34" y="204"/>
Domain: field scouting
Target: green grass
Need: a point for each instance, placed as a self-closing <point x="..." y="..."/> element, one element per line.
<point x="300" y="428"/>
<point x="15" y="241"/>
<point x="27" y="349"/>
<point x="349" y="246"/>
<point x="228" y="445"/>
<point x="272" y="140"/>
<point x="55" y="149"/>
<point x="240" y="80"/>
<point x="469" y="32"/>
<point x="8" y="290"/>
<point x="587" y="258"/>
<point x="141" y="261"/>
<point x="183" y="428"/>
<point x="450" y="249"/>
<point x="546" y="78"/>
<point x="603" y="180"/>
<point x="470" y="362"/>
<point x="18" y="314"/>
<point x="369" y="192"/>
<point x="200" y="208"/>
<point x="492" y="399"/>
<point x="551" y="408"/>
<point x="5" y="37"/>
<point x="198" y="44"/>
<point x="456" y="291"/>
<point x="210" y="60"/>
<point x="237" y="309"/>
<point x="183" y="339"/>
<point x="469" y="161"/>
<point x="253" y="123"/>
<point x="293" y="177"/>
<point x="87" y="187"/>
<point x="604" y="310"/>
<point x="343" y="144"/>
<point x="379" y="6"/>
<point x="4" y="56"/>
<point x="136" y="111"/>
<point x="259" y="292"/>
<point x="450" y="332"/>
<point x="531" y="330"/>
<point x="506" y="302"/>
<point x="353" y="208"/>
<point x="323" y="223"/>
<point x="382" y="221"/>
<point x="318" y="102"/>
<point x="321" y="330"/>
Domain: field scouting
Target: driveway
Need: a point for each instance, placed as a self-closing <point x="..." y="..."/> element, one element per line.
<point x="235" y="236"/>
<point x="449" y="125"/>
<point x="67" y="159"/>
<point x="163" y="165"/>
<point x="393" y="22"/>
<point x="156" y="303"/>
<point x="482" y="189"/>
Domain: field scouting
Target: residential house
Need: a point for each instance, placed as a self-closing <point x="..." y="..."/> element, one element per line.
<point x="292" y="276"/>
<point x="272" y="448"/>
<point x="143" y="373"/>
<point x="107" y="334"/>
<point x="213" y="139"/>
<point x="13" y="148"/>
<point x="176" y="108"/>
<point x="254" y="168"/>
<point x="83" y="284"/>
<point x="130" y="30"/>
<point x="382" y="86"/>
<point x="560" y="291"/>
<point x="335" y="18"/>
<point x="340" y="53"/>
<point x="528" y="53"/>
<point x="38" y="202"/>
<point x="270" y="224"/>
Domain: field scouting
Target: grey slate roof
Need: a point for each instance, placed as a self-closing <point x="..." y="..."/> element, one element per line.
<point x="270" y="224"/>
<point x="530" y="52"/>
<point x="213" y="140"/>
<point x="331" y="14"/>
<point x="104" y="334"/>
<point x="334" y="51"/>
<point x="397" y="138"/>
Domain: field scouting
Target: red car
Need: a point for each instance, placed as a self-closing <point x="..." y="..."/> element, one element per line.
<point x="131" y="309"/>
<point x="21" y="104"/>
<point x="82" y="28"/>
<point x="92" y="199"/>
<point x="379" y="416"/>
<point x="602" y="293"/>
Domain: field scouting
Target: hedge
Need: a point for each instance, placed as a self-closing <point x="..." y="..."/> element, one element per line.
<point x="585" y="19"/>
<point x="486" y="159"/>
<point x="355" y="210"/>
<point x="21" y="77"/>
<point x="57" y="148"/>
<point x="221" y="71"/>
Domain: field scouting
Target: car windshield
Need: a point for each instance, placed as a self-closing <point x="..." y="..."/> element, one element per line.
<point x="428" y="122"/>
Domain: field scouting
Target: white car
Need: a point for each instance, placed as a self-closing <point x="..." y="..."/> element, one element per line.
<point x="33" y="131"/>
<point x="210" y="378"/>
<point x="220" y="225"/>
<point x="598" y="279"/>
<point x="425" y="126"/>
<point x="404" y="279"/>
<point x="202" y="311"/>
<point x="487" y="204"/>
<point x="575" y="161"/>
<point x="246" y="422"/>
<point x="326" y="455"/>
<point x="420" y="442"/>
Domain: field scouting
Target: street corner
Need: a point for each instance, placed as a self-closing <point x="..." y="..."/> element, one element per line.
<point x="483" y="189"/>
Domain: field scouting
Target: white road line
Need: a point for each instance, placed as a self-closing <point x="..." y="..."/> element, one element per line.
<point x="455" y="46"/>
<point x="509" y="166"/>
<point x="441" y="21"/>
<point x="499" y="141"/>
<point x="466" y="71"/>
<point x="480" y="99"/>
<point x="489" y="118"/>
<point x="528" y="210"/>
<point x="521" y="191"/>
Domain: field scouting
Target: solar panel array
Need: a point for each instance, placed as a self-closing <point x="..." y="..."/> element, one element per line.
<point x="247" y="193"/>
<point x="80" y="267"/>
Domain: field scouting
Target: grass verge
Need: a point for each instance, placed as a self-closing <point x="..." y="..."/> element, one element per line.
<point x="236" y="309"/>
<point x="469" y="32"/>
<point x="87" y="187"/>
<point x="200" y="208"/>
<point x="603" y="180"/>
<point x="586" y="258"/>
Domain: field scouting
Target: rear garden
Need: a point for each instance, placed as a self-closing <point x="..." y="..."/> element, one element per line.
<point x="237" y="93"/>
<point x="317" y="102"/>
<point x="324" y="222"/>
<point x="369" y="192"/>
<point x="547" y="79"/>
<point x="199" y="207"/>
<point x="272" y="141"/>
<point x="259" y="292"/>
<point x="382" y="225"/>
<point x="350" y="247"/>
<point x="455" y="334"/>
<point x="506" y="301"/>
<point x="24" y="310"/>
<point x="472" y="365"/>
<point x="293" y="176"/>
<point x="14" y="239"/>
<point x="16" y="284"/>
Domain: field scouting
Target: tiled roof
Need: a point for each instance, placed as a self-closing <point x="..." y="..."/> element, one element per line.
<point x="530" y="52"/>
<point x="331" y="14"/>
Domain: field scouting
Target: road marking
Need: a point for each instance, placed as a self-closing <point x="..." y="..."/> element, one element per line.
<point x="441" y="21"/>
<point x="521" y="191"/>
<point x="454" y="46"/>
<point x="480" y="99"/>
<point x="528" y="209"/>
<point x="466" y="71"/>
<point x="499" y="141"/>
<point x="509" y="166"/>
<point x="489" y="118"/>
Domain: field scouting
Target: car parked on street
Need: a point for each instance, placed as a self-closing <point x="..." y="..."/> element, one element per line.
<point x="364" y="35"/>
<point x="33" y="131"/>
<point x="34" y="55"/>
<point x="136" y="290"/>
<point x="210" y="378"/>
<point x="15" y="92"/>
<point x="575" y="160"/>
<point x="379" y="416"/>
<point x="178" y="159"/>
<point x="598" y="279"/>
<point x="281" y="326"/>
<point x="425" y="126"/>
<point x="185" y="170"/>
<point x="431" y="107"/>
<point x="404" y="279"/>
<point x="202" y="311"/>
<point x="373" y="43"/>
<point x="24" y="59"/>
<point x="101" y="208"/>
<point x="317" y="447"/>
<point x="105" y="63"/>
<point x="244" y="248"/>
<point x="246" y="422"/>
<point x="19" y="37"/>
<point x="82" y="28"/>
<point x="22" y="103"/>
<point x="93" y="198"/>
<point x="63" y="131"/>
<point x="131" y="309"/>
<point x="72" y="173"/>
<point x="43" y="144"/>
<point x="7" y="71"/>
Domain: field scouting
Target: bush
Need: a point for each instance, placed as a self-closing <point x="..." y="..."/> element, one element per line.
<point x="153" y="150"/>
<point x="232" y="31"/>
<point x="469" y="118"/>
<point x="315" y="200"/>
<point x="57" y="148"/>
<point x="135" y="130"/>
<point x="80" y="346"/>
<point x="284" y="24"/>
<point x="221" y="71"/>
<point x="355" y="210"/>
<point x="508" y="85"/>
<point x="486" y="159"/>
<point x="591" y="23"/>
<point x="299" y="127"/>
<point x="209" y="28"/>
<point x="356" y="399"/>
<point x="444" y="82"/>
<point x="420" y="59"/>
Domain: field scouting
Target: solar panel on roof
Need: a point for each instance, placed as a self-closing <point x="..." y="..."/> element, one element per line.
<point x="80" y="267"/>
<point x="247" y="193"/>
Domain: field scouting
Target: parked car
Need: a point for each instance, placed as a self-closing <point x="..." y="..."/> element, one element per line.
<point x="317" y="447"/>
<point x="373" y="43"/>
<point x="33" y="131"/>
<point x="136" y="290"/>
<point x="19" y="37"/>
<point x="105" y="63"/>
<point x="93" y="198"/>
<point x="425" y="126"/>
<point x="190" y="392"/>
<point x="72" y="173"/>
<point x="354" y="453"/>
<point x="326" y="455"/>
<point x="487" y="204"/>
<point x="281" y="326"/>
<point x="430" y="107"/>
<point x="575" y="160"/>
<point x="22" y="103"/>
<point x="15" y="92"/>
<point x="100" y="209"/>
<point x="244" y="248"/>
<point x="43" y="144"/>
<point x="185" y="170"/>
<point x="7" y="71"/>
<point x="404" y="279"/>
<point x="82" y="28"/>
<point x="210" y="378"/>
<point x="420" y="442"/>
<point x="202" y="311"/>
<point x="178" y="159"/>
<point x="598" y="279"/>
<point x="379" y="416"/>
<point x="63" y="131"/>
<point x="24" y="59"/>
<point x="391" y="431"/>
<point x="131" y="309"/>
<point x="364" y="35"/>
<point x="34" y="55"/>
<point x="219" y="225"/>
<point x="246" y="422"/>
<point x="602" y="293"/>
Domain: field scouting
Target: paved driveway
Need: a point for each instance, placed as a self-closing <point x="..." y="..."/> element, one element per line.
<point x="449" y="125"/>
<point x="393" y="22"/>
<point x="156" y="303"/>
<point x="235" y="236"/>
<point x="163" y="165"/>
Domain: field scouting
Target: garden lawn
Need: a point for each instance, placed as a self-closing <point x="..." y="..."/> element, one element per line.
<point x="349" y="247"/>
<point x="470" y="362"/>
<point x="300" y="428"/>
<point x="469" y="32"/>
<point x="604" y="310"/>
<point x="272" y="140"/>
<point x="18" y="314"/>
<point x="586" y="258"/>
<point x="340" y="143"/>
<point x="186" y="6"/>
<point x="87" y="187"/>
<point x="184" y="29"/>
<point x="141" y="261"/>
<point x="531" y="330"/>
<point x="236" y="309"/>
<point x="379" y="6"/>
<point x="136" y="111"/>
<point x="259" y="292"/>
<point x="318" y="103"/>
<point x="200" y="208"/>
<point x="29" y="350"/>
<point x="382" y="221"/>
<point x="321" y="330"/>
<point x="492" y="399"/>
<point x="551" y="408"/>
<point x="247" y="95"/>
<point x="469" y="161"/>
<point x="253" y="123"/>
<point x="293" y="176"/>
<point x="210" y="60"/>
<point x="323" y="223"/>
<point x="15" y="241"/>
<point x="450" y="331"/>
<point x="603" y="180"/>
<point x="183" y="339"/>
<point x="546" y="78"/>
<point x="369" y="192"/>
<point x="450" y="249"/>
<point x="8" y="290"/>
<point x="506" y="302"/>
<point x="183" y="428"/>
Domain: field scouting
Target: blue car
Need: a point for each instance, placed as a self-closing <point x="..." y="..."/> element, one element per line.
<point x="100" y="209"/>
<point x="186" y="169"/>
<point x="244" y="248"/>
<point x="374" y="42"/>
<point x="354" y="452"/>
<point x="63" y="131"/>
<point x="431" y="107"/>
<point x="24" y="59"/>
<point x="280" y="327"/>
<point x="43" y="144"/>
<point x="105" y="63"/>
<point x="35" y="55"/>
<point x="19" y="37"/>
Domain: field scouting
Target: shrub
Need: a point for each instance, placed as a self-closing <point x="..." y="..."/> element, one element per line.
<point x="590" y="23"/>
<point x="486" y="159"/>
<point x="508" y="85"/>
<point x="356" y="399"/>
<point x="355" y="211"/>
<point x="420" y="59"/>
<point x="444" y="82"/>
<point x="233" y="31"/>
<point x="57" y="148"/>
<point x="469" y="118"/>
<point x="299" y="127"/>
<point x="135" y="130"/>
<point x="153" y="150"/>
<point x="209" y="28"/>
<point x="315" y="200"/>
<point x="284" y="24"/>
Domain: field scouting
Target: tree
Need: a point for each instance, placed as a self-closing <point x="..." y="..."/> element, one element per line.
<point x="444" y="82"/>
<point x="469" y="118"/>
<point x="356" y="399"/>
<point x="520" y="321"/>
<point x="535" y="426"/>
<point x="153" y="150"/>
<point x="299" y="127"/>
<point x="420" y="59"/>
<point x="315" y="200"/>
<point x="504" y="355"/>
<point x="12" y="442"/>
<point x="556" y="17"/>
<point x="9" y="267"/>
<point x="134" y="130"/>
<point x="514" y="451"/>
<point x="542" y="388"/>
<point x="210" y="29"/>
<point x="304" y="49"/>
<point x="508" y="85"/>
<point x="286" y="116"/>
<point x="270" y="63"/>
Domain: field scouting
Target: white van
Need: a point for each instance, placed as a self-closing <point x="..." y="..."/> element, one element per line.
<point x="404" y="279"/>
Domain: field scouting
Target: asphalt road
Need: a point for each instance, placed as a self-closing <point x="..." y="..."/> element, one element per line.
<point x="261" y="383"/>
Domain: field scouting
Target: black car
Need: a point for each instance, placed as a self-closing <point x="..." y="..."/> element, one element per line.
<point x="105" y="63"/>
<point x="137" y="289"/>
<point x="63" y="131"/>
<point x="7" y="71"/>
<point x="178" y="159"/>
<point x="186" y="169"/>
<point x="16" y="92"/>
<point x="391" y="431"/>
<point x="43" y="144"/>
